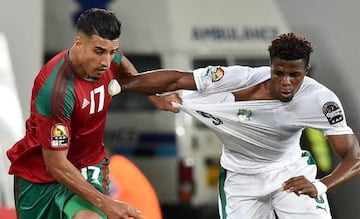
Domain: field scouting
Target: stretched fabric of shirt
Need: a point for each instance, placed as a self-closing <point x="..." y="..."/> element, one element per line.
<point x="261" y="135"/>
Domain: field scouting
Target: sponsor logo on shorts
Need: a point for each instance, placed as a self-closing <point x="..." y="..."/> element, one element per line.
<point x="59" y="136"/>
<point x="320" y="200"/>
<point x="321" y="205"/>
<point x="332" y="112"/>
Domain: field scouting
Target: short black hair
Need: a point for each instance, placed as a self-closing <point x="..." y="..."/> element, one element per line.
<point x="291" y="46"/>
<point x="101" y="22"/>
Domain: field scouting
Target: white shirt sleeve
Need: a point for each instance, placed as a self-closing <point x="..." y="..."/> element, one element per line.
<point x="323" y="110"/>
<point x="224" y="79"/>
<point x="333" y="111"/>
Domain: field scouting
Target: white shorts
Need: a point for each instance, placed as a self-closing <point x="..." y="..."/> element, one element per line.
<point x="259" y="196"/>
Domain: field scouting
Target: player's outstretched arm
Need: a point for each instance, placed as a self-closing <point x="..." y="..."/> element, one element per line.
<point x="157" y="81"/>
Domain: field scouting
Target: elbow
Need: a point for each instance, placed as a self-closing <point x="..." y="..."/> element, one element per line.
<point x="56" y="163"/>
<point x="52" y="170"/>
<point x="56" y="169"/>
<point x="357" y="165"/>
<point x="355" y="161"/>
<point x="354" y="157"/>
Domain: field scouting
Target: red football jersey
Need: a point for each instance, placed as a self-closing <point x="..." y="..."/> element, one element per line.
<point x="67" y="112"/>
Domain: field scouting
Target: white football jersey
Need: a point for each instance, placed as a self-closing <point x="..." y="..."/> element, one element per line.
<point x="260" y="135"/>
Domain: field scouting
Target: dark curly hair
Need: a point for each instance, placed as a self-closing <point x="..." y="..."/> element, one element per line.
<point x="101" y="22"/>
<point x="291" y="46"/>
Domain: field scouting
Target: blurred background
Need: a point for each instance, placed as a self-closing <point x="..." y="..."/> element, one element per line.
<point x="179" y="156"/>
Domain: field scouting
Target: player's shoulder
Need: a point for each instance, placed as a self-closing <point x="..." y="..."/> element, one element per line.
<point x="312" y="86"/>
<point x="54" y="69"/>
<point x="312" y="91"/>
<point x="55" y="81"/>
<point x="251" y="74"/>
<point x="261" y="73"/>
<point x="248" y="69"/>
<point x="59" y="58"/>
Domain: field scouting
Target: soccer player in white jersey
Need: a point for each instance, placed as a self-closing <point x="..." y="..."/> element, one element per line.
<point x="259" y="115"/>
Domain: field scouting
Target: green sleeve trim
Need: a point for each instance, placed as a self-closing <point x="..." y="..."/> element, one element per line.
<point x="117" y="58"/>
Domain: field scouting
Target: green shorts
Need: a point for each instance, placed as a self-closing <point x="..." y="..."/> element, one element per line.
<point x="55" y="201"/>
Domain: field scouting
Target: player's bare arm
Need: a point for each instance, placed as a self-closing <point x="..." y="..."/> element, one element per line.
<point x="65" y="173"/>
<point x="157" y="81"/>
<point x="152" y="82"/>
<point x="127" y="69"/>
<point x="347" y="148"/>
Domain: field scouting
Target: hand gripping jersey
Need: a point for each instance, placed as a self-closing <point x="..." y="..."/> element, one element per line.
<point x="67" y="112"/>
<point x="260" y="135"/>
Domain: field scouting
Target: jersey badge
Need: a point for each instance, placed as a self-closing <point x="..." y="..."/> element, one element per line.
<point x="244" y="115"/>
<point x="59" y="136"/>
<point x="114" y="87"/>
<point x="216" y="73"/>
<point x="332" y="112"/>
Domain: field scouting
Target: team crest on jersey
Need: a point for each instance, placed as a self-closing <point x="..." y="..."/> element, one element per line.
<point x="332" y="112"/>
<point x="244" y="115"/>
<point x="216" y="73"/>
<point x="59" y="136"/>
<point x="114" y="87"/>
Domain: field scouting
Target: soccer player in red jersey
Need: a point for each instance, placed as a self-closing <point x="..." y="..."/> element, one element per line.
<point x="60" y="166"/>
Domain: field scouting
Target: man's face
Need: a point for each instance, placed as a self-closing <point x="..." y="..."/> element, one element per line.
<point x="95" y="55"/>
<point x="286" y="77"/>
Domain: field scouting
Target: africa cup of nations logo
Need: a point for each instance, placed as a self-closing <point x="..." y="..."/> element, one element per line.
<point x="59" y="136"/>
<point x="217" y="73"/>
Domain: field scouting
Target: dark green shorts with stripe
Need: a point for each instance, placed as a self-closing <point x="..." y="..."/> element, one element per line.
<point x="55" y="201"/>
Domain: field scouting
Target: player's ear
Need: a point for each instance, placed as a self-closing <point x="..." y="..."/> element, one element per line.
<point x="78" y="42"/>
